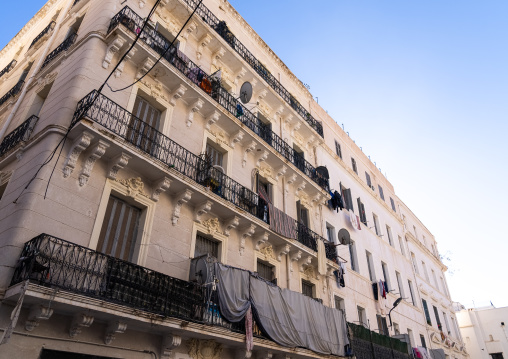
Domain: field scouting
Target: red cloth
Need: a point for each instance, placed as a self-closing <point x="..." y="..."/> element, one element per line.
<point x="358" y="221"/>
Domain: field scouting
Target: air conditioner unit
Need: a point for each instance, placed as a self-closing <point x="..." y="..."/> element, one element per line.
<point x="202" y="269"/>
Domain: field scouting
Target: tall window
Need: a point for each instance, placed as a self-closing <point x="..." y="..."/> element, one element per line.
<point x="214" y="155"/>
<point x="399" y="283"/>
<point x="393" y="204"/>
<point x="410" y="285"/>
<point x="367" y="178"/>
<point x="330" y="233"/>
<point x="370" y="265"/>
<point x="376" y="224"/>
<point x="339" y="303"/>
<point x="386" y="277"/>
<point x="362" y="317"/>
<point x="348" y="199"/>
<point x="353" y="165"/>
<point x="381" y="325"/>
<point x="438" y="320"/>
<point x="266" y="271"/>
<point x="446" y="323"/>
<point x="119" y="229"/>
<point x="205" y="245"/>
<point x="361" y="209"/>
<point x="415" y="266"/>
<point x="422" y="339"/>
<point x="435" y="279"/>
<point x="425" y="271"/>
<point x="307" y="288"/>
<point x="401" y="244"/>
<point x="352" y="256"/>
<point x="445" y="290"/>
<point x="426" y="310"/>
<point x="143" y="125"/>
<point x="381" y="194"/>
<point x="337" y="149"/>
<point x="389" y="234"/>
<point x="411" y="339"/>
<point x="302" y="214"/>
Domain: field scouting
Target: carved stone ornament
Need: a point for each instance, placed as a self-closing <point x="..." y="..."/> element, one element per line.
<point x="78" y="146"/>
<point x="162" y="185"/>
<point x="114" y="327"/>
<point x="212" y="225"/>
<point x="261" y="239"/>
<point x="181" y="198"/>
<point x="211" y="119"/>
<point x="201" y="209"/>
<point x="37" y="313"/>
<point x="112" y="49"/>
<point x="267" y="251"/>
<point x="80" y="321"/>
<point x="281" y="171"/>
<point x="236" y="137"/>
<point x="230" y="224"/>
<point x="195" y="107"/>
<point x="169" y="343"/>
<point x="248" y="149"/>
<point x="96" y="152"/>
<point x="203" y="42"/>
<point x="282" y="250"/>
<point x="156" y="90"/>
<point x="119" y="69"/>
<point x="291" y="179"/>
<point x="204" y="349"/>
<point x="262" y="157"/>
<point x="145" y="66"/>
<point x="116" y="164"/>
<point x="176" y="94"/>
<point x="134" y="186"/>
<point x="246" y="232"/>
<point x="309" y="271"/>
<point x="304" y="262"/>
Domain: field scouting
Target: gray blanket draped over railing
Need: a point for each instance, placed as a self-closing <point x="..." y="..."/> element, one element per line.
<point x="288" y="318"/>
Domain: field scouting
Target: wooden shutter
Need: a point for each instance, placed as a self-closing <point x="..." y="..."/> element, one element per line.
<point x="119" y="229"/>
<point x="367" y="177"/>
<point x="361" y="209"/>
<point x="143" y="126"/>
<point x="346" y="193"/>
<point x="381" y="194"/>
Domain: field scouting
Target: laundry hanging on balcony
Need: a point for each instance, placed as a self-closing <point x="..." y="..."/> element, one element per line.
<point x="288" y="318"/>
<point x="336" y="202"/>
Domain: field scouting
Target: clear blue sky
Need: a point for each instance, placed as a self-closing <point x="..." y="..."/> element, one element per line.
<point x="422" y="86"/>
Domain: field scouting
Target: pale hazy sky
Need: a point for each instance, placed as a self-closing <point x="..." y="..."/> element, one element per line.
<point x="422" y="86"/>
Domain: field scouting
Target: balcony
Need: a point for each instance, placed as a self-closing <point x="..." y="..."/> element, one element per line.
<point x="12" y="92"/>
<point x="8" y="68"/>
<point x="221" y="29"/>
<point x="367" y="344"/>
<point x="61" y="48"/>
<point x="171" y="155"/>
<point x="46" y="30"/>
<point x="20" y="134"/>
<point x="212" y="87"/>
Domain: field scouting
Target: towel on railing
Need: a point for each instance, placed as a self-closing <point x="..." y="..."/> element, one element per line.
<point x="281" y="223"/>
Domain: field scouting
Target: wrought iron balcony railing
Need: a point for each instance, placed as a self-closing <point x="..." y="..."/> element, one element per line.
<point x="47" y="29"/>
<point x="161" y="148"/>
<point x="8" y="68"/>
<point x="56" y="263"/>
<point x="133" y="22"/>
<point x="12" y="92"/>
<point x="61" y="48"/>
<point x="221" y="28"/>
<point x="331" y="251"/>
<point x="20" y="134"/>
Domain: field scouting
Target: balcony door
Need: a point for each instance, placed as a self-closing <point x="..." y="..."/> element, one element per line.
<point x="142" y="131"/>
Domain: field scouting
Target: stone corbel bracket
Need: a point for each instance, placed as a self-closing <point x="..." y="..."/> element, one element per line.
<point x="97" y="151"/>
<point x="246" y="232"/>
<point x="203" y="42"/>
<point x="300" y="186"/>
<point x="112" y="49"/>
<point x="304" y="262"/>
<point x="78" y="146"/>
<point x="201" y="209"/>
<point x="119" y="70"/>
<point x="294" y="256"/>
<point x="114" y="327"/>
<point x="236" y="137"/>
<point x="280" y="171"/>
<point x="260" y="239"/>
<point x="195" y="107"/>
<point x="291" y="179"/>
<point x="230" y="224"/>
<point x="147" y="64"/>
<point x="262" y="157"/>
<point x="37" y="313"/>
<point x="211" y="119"/>
<point x="116" y="164"/>
<point x="169" y="343"/>
<point x="190" y="28"/>
<point x="296" y="127"/>
<point x="239" y="75"/>
<point x="217" y="55"/>
<point x="177" y="94"/>
<point x="181" y="198"/>
<point x="248" y="149"/>
<point x="282" y="250"/>
<point x="80" y="321"/>
<point x="162" y="185"/>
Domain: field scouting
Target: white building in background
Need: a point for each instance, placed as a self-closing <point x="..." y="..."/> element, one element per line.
<point x="99" y="253"/>
<point x="484" y="331"/>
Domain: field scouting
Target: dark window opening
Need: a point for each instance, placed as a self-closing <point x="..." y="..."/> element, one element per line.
<point x="206" y="245"/>
<point x="338" y="149"/>
<point x="307" y="288"/>
<point x="266" y="271"/>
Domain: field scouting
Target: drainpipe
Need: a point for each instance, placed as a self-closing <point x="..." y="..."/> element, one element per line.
<point x="37" y="68"/>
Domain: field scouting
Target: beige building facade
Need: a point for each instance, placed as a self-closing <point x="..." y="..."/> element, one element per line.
<point x="107" y="198"/>
<point x="484" y="331"/>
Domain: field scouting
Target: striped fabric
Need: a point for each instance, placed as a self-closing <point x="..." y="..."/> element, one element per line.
<point x="281" y="223"/>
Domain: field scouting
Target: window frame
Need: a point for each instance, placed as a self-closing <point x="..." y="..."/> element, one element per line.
<point x="216" y="236"/>
<point x="354" y="165"/>
<point x="338" y="149"/>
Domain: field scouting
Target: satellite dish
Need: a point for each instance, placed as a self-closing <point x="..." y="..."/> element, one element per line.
<point x="344" y="237"/>
<point x="246" y="92"/>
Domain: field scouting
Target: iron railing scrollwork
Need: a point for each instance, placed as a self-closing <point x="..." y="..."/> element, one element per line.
<point x="8" y="68"/>
<point x="12" y="92"/>
<point x="56" y="263"/>
<point x="61" y="48"/>
<point x="331" y="251"/>
<point x="20" y="134"/>
<point x="133" y="22"/>
<point x="221" y="28"/>
<point x="47" y="29"/>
